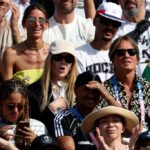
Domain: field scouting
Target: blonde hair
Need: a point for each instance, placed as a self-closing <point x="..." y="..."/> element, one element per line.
<point x="46" y="82"/>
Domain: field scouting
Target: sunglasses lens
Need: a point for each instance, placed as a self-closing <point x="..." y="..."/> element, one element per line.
<point x="107" y="22"/>
<point x="104" y="21"/>
<point x="42" y="20"/>
<point x="116" y="24"/>
<point x="31" y="20"/>
<point x="20" y="107"/>
<point x="120" y="52"/>
<point x="11" y="106"/>
<point x="131" y="52"/>
<point x="57" y="57"/>
<point x="69" y="59"/>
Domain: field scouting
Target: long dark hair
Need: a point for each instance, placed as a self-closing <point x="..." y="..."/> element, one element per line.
<point x="11" y="86"/>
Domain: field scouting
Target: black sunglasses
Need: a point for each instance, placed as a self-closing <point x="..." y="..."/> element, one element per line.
<point x="121" y="52"/>
<point x="13" y="106"/>
<point x="32" y="20"/>
<point x="67" y="58"/>
<point x="107" y="22"/>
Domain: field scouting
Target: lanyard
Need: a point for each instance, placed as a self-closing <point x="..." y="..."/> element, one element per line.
<point x="91" y="133"/>
<point x="142" y="107"/>
<point x="116" y="90"/>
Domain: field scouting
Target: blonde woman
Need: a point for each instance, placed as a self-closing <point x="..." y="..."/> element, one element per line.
<point x="55" y="89"/>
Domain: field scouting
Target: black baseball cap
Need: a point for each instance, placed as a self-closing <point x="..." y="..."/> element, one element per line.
<point x="86" y="77"/>
<point x="144" y="136"/>
<point x="43" y="141"/>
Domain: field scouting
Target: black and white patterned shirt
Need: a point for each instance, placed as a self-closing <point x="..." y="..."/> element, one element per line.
<point x="134" y="104"/>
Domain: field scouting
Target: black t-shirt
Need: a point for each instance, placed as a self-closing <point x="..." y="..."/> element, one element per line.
<point x="67" y="124"/>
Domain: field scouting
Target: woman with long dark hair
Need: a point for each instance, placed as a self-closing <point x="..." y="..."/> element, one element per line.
<point x="15" y="123"/>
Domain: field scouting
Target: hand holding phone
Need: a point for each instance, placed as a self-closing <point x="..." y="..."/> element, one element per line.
<point x="24" y="133"/>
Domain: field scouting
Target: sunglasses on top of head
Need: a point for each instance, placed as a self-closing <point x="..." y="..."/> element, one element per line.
<point x="107" y="22"/>
<point x="121" y="52"/>
<point x="67" y="58"/>
<point x="13" y="106"/>
<point x="32" y="20"/>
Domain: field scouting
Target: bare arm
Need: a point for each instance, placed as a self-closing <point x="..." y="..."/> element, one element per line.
<point x="8" y="64"/>
<point x="66" y="142"/>
<point x="89" y="9"/>
<point x="7" y="145"/>
<point x="104" y="93"/>
<point x="14" y="23"/>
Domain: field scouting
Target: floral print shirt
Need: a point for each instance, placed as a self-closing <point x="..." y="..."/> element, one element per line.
<point x="134" y="104"/>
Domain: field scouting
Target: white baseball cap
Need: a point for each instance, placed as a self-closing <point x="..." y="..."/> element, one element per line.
<point x="62" y="46"/>
<point x="110" y="10"/>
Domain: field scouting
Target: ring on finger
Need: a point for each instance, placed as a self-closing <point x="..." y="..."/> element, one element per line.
<point x="98" y="86"/>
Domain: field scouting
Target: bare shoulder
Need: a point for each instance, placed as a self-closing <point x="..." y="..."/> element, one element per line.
<point x="14" y="50"/>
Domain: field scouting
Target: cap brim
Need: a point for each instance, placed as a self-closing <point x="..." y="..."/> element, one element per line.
<point x="112" y="18"/>
<point x="131" y="120"/>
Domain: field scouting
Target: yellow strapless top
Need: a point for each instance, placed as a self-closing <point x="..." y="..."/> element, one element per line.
<point x="28" y="76"/>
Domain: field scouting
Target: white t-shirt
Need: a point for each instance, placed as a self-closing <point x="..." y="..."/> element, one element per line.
<point x="80" y="31"/>
<point x="35" y="125"/>
<point x="143" y="44"/>
<point x="125" y="28"/>
<point x="90" y="59"/>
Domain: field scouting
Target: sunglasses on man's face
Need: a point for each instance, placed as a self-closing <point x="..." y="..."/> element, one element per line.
<point x="32" y="20"/>
<point x="107" y="22"/>
<point x="121" y="52"/>
<point x="13" y="106"/>
<point x="67" y="58"/>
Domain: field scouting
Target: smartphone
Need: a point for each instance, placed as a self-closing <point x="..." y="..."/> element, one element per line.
<point x="21" y="126"/>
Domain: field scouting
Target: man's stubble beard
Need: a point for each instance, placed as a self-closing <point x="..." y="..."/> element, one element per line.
<point x="68" y="10"/>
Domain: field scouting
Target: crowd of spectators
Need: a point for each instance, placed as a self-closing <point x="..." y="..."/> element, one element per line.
<point x="74" y="74"/>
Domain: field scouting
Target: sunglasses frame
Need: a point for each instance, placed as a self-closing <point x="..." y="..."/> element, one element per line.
<point x="107" y="22"/>
<point x="13" y="106"/>
<point x="32" y="20"/>
<point x="67" y="58"/>
<point x="121" y="52"/>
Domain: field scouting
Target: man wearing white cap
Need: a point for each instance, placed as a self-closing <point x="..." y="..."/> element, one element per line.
<point x="67" y="25"/>
<point x="94" y="56"/>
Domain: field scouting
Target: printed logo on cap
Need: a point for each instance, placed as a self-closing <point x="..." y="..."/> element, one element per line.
<point x="46" y="139"/>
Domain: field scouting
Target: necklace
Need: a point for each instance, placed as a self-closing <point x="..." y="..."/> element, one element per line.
<point x="33" y="51"/>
